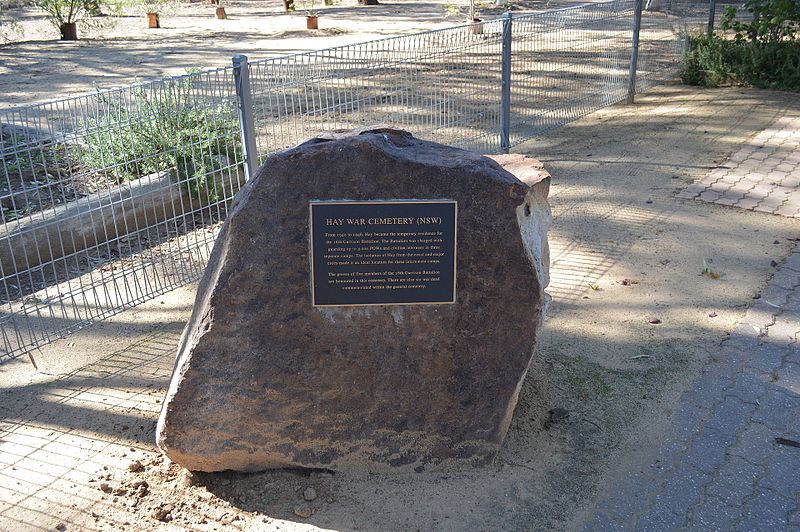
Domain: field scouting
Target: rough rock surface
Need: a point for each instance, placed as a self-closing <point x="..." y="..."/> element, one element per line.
<point x="263" y="379"/>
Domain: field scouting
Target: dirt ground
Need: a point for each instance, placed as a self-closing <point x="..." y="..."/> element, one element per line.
<point x="115" y="51"/>
<point x="633" y="316"/>
<point x="632" y="320"/>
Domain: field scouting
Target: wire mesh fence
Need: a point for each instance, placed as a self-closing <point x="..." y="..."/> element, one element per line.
<point x="112" y="198"/>
<point x="440" y="84"/>
<point x="566" y="64"/>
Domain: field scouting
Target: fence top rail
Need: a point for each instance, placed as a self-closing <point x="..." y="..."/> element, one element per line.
<point x="24" y="108"/>
<point x="496" y="20"/>
<point x="117" y="89"/>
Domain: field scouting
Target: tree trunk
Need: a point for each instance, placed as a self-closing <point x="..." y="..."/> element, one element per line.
<point x="69" y="31"/>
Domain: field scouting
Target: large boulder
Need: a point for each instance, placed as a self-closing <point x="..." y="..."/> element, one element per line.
<point x="264" y="379"/>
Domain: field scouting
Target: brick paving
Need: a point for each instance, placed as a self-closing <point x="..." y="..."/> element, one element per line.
<point x="764" y="175"/>
<point x="732" y="458"/>
<point x="730" y="462"/>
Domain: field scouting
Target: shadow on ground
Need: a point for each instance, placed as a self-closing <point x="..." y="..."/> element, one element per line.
<point x="631" y="323"/>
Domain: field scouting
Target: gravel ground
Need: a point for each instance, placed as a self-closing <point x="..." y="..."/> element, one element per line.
<point x="634" y="319"/>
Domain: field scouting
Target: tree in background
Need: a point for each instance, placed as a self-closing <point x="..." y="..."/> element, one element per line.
<point x="66" y="14"/>
<point x="773" y="21"/>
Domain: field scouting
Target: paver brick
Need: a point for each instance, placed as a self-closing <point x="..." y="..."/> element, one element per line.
<point x="793" y="262"/>
<point x="777" y="176"/>
<point x="747" y="203"/>
<point x="782" y="331"/>
<point x="659" y="517"/>
<point x="731" y="416"/>
<point x="742" y="187"/>
<point x="722" y="468"/>
<point x="766" y="511"/>
<point x="710" y="195"/>
<point x="769" y="357"/>
<point x="741" y="155"/>
<point x="755" y="443"/>
<point x="686" y="424"/>
<point x="726" y="365"/>
<point x="748" y="330"/>
<point x="794" y="520"/>
<point x="772" y="297"/>
<point x="693" y="190"/>
<point x="771" y="203"/>
<point x="747" y="387"/>
<point x="742" y="471"/>
<point x="781" y="189"/>
<point x="762" y="313"/>
<point x="731" y="492"/>
<point x="709" y="449"/>
<point x="740" y="342"/>
<point x="788" y="211"/>
<point x="728" y="200"/>
<point x="792" y="181"/>
<point x="759" y="192"/>
<point x="713" y="515"/>
<point x="789" y="380"/>
<point x="776" y="410"/>
<point x="786" y="278"/>
<point x="707" y="390"/>
<point x="782" y="474"/>
<point x="683" y="489"/>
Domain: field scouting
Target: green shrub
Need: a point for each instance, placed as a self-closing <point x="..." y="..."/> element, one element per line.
<point x="704" y="63"/>
<point x="164" y="128"/>
<point x="714" y="61"/>
<point x="763" y="51"/>
<point x="772" y="21"/>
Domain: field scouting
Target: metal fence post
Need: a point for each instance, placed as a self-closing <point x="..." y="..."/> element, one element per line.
<point x="247" y="129"/>
<point x="712" y="12"/>
<point x="505" y="97"/>
<point x="637" y="25"/>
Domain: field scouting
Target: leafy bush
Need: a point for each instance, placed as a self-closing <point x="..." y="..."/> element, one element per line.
<point x="772" y="21"/>
<point x="763" y="52"/>
<point x="164" y="130"/>
<point x="714" y="61"/>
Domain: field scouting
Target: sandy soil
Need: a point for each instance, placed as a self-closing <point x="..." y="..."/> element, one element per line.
<point x="625" y="254"/>
<point x="121" y="50"/>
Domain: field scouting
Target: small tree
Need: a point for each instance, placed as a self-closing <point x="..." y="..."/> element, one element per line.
<point x="161" y="7"/>
<point x="65" y="14"/>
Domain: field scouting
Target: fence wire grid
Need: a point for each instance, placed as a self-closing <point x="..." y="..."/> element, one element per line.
<point x="112" y="198"/>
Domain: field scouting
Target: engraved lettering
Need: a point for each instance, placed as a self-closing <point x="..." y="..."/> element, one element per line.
<point x="390" y="252"/>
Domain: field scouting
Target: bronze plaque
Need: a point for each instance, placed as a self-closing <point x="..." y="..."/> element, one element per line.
<point x="389" y="252"/>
